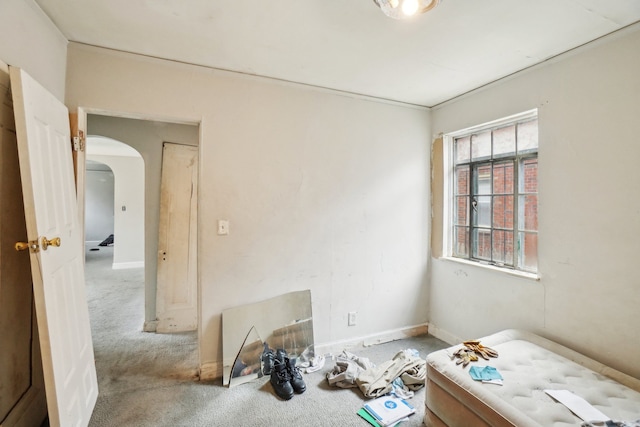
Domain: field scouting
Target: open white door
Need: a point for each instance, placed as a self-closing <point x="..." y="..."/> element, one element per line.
<point x="22" y="396"/>
<point x="46" y="168"/>
<point x="177" y="296"/>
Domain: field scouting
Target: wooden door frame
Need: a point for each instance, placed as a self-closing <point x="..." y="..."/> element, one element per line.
<point x="78" y="124"/>
<point x="86" y="111"/>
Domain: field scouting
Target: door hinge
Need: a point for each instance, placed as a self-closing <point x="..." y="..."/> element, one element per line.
<point x="79" y="141"/>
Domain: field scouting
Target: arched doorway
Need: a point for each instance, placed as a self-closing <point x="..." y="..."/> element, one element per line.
<point x="115" y="197"/>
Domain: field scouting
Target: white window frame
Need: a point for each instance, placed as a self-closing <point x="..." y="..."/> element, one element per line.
<point x="447" y="229"/>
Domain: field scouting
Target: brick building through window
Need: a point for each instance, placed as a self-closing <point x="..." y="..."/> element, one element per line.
<point x="495" y="195"/>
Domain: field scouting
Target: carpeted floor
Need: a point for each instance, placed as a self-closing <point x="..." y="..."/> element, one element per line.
<point x="149" y="379"/>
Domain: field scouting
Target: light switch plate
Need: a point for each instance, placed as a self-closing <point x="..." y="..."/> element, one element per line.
<point x="223" y="227"/>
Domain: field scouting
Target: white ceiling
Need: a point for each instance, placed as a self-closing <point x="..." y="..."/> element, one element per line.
<point x="348" y="45"/>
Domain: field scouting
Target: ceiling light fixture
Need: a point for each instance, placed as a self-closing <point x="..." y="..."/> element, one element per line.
<point x="403" y="9"/>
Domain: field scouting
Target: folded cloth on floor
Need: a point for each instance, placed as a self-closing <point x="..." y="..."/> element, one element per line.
<point x="401" y="390"/>
<point x="313" y="364"/>
<point x="348" y="367"/>
<point x="408" y="366"/>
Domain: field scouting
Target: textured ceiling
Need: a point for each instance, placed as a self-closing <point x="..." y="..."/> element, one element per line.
<point x="348" y="45"/>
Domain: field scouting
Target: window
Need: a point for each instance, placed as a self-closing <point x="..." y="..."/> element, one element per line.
<point x="495" y="194"/>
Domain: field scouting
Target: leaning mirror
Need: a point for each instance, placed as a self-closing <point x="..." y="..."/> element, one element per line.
<point x="283" y="322"/>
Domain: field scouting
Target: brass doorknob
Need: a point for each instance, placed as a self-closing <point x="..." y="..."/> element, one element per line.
<point x="45" y="243"/>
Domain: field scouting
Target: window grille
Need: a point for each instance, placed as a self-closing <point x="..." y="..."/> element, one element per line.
<point x="495" y="195"/>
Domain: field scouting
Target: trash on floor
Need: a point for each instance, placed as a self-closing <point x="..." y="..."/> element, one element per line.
<point x="377" y="380"/>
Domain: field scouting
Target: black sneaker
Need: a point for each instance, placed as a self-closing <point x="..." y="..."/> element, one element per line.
<point x="295" y="377"/>
<point x="280" y="380"/>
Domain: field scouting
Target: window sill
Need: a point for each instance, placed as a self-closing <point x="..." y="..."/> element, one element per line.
<point x="517" y="273"/>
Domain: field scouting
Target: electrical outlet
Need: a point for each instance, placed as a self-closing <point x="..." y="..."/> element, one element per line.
<point x="352" y="318"/>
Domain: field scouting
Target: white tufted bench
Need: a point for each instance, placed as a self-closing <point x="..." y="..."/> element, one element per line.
<point x="529" y="364"/>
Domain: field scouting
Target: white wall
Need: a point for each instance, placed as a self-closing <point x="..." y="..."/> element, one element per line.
<point x="589" y="211"/>
<point x="128" y="224"/>
<point x="324" y="191"/>
<point x="32" y="42"/>
<point x="99" y="190"/>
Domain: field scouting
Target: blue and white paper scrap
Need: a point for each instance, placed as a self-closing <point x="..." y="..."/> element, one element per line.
<point x="486" y="374"/>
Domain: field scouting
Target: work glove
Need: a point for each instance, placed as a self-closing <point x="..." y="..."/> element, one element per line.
<point x="465" y="356"/>
<point x="470" y="351"/>
<point x="480" y="350"/>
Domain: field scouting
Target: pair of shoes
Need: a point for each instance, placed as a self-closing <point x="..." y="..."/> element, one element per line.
<point x="285" y="376"/>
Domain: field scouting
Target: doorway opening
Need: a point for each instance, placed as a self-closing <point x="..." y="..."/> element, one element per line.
<point x="122" y="293"/>
<point x="114" y="200"/>
<point x="99" y="193"/>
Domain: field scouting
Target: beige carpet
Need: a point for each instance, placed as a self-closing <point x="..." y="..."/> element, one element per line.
<point x="148" y="379"/>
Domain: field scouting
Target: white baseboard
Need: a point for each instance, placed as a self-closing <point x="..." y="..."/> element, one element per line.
<point x="125" y="265"/>
<point x="443" y="335"/>
<point x="373" y="339"/>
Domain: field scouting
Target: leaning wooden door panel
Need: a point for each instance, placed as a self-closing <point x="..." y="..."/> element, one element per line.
<point x="42" y="125"/>
<point x="177" y="242"/>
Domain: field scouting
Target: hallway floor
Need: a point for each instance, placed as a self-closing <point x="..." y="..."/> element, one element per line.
<point x="129" y="360"/>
